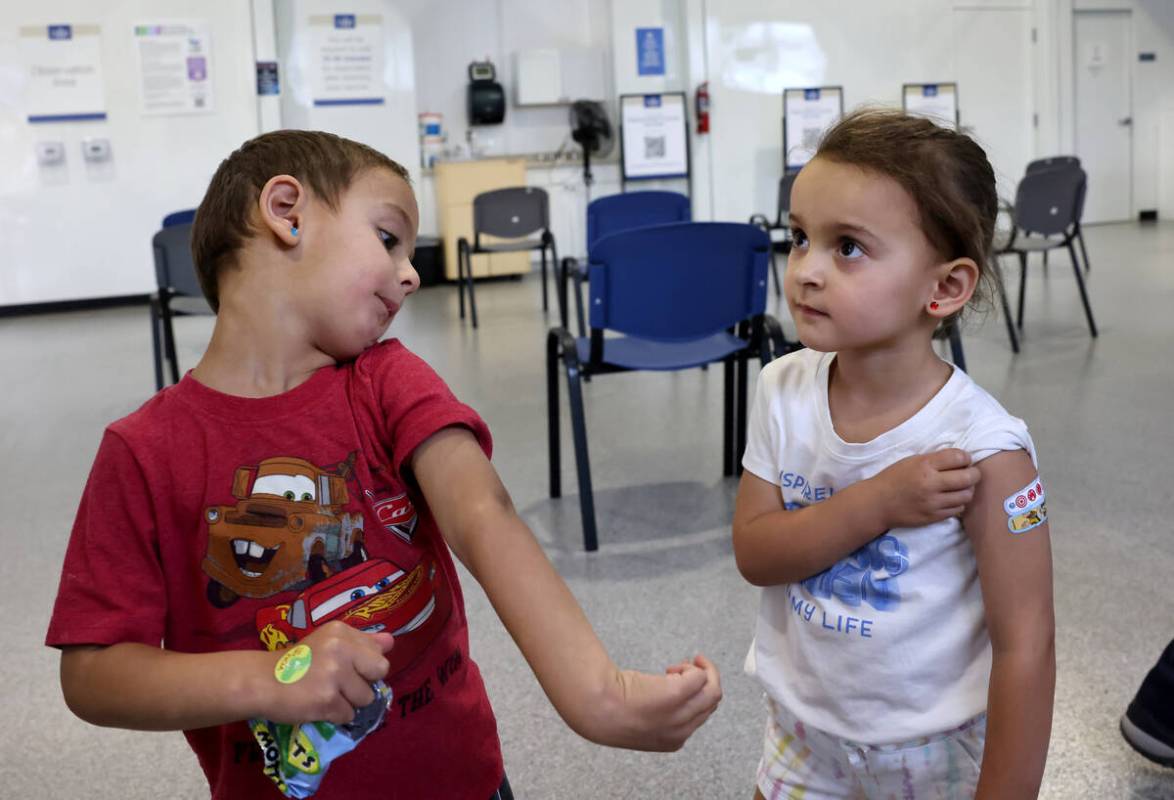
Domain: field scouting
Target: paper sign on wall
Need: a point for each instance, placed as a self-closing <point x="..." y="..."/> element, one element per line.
<point x="175" y="67"/>
<point x="936" y="101"/>
<point x="346" y="59"/>
<point x="64" y="73"/>
<point x="807" y="114"/>
<point x="654" y="140"/>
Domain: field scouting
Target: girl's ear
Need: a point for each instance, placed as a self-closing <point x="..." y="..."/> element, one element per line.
<point x="955" y="284"/>
<point x="282" y="204"/>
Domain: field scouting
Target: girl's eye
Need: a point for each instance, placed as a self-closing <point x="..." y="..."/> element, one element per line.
<point x="850" y="249"/>
<point x="798" y="238"/>
<point x="390" y="240"/>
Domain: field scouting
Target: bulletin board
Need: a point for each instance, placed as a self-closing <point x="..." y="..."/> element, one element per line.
<point x="937" y="101"/>
<point x="807" y="114"/>
<point x="654" y="136"/>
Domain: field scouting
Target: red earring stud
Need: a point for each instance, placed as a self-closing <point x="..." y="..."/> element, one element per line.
<point x="933" y="306"/>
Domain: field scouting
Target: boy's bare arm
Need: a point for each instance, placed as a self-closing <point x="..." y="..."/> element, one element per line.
<point x="136" y="686"/>
<point x="773" y="546"/>
<point x="1015" y="571"/>
<point x="596" y="699"/>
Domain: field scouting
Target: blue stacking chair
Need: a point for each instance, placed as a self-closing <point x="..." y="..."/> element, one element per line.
<point x="178" y="290"/>
<point x="681" y="296"/>
<point x="612" y="214"/>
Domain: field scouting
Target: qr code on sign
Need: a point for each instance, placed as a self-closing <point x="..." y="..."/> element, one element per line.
<point x="654" y="147"/>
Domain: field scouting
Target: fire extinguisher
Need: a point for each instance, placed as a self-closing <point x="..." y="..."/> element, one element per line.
<point x="702" y="100"/>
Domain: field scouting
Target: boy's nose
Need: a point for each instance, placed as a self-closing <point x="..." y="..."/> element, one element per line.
<point x="409" y="279"/>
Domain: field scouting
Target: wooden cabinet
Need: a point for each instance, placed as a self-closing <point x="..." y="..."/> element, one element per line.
<point x="457" y="183"/>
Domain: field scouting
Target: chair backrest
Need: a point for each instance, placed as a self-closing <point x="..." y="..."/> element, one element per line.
<point x="174" y="268"/>
<point x="678" y="282"/>
<point x="1048" y="202"/>
<point x="511" y="213"/>
<point x="622" y="212"/>
<point x="1051" y="162"/>
<point x="786" y="183"/>
<point x="179" y="217"/>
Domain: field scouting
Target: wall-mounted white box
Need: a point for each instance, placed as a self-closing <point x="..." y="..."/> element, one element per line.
<point x="552" y="76"/>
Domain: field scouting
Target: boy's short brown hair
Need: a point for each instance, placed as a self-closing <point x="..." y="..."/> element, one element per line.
<point x="945" y="172"/>
<point x="324" y="162"/>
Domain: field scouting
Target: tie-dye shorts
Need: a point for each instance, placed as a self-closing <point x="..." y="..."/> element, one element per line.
<point x="803" y="763"/>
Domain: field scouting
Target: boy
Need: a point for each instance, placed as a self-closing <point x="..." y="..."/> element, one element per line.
<point x="300" y="486"/>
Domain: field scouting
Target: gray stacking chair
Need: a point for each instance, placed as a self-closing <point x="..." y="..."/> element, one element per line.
<point x="1046" y="215"/>
<point x="178" y="293"/>
<point x="516" y="213"/>
<point x="1066" y="162"/>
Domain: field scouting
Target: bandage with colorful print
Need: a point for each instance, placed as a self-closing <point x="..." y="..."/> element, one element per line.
<point x="1027" y="508"/>
<point x="296" y="757"/>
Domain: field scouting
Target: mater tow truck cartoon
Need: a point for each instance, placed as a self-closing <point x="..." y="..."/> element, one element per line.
<point x="287" y="529"/>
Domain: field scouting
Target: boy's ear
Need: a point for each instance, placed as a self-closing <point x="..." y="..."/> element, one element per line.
<point x="956" y="282"/>
<point x="282" y="205"/>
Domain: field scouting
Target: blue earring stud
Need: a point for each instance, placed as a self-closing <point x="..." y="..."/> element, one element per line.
<point x="293" y="231"/>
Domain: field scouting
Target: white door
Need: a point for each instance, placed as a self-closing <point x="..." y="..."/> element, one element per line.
<point x="993" y="62"/>
<point x="1104" y="112"/>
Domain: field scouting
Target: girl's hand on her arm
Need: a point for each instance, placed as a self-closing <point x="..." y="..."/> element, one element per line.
<point x="923" y="489"/>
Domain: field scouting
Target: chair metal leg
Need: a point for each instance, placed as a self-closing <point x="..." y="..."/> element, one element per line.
<point x="469" y="278"/>
<point x="740" y="408"/>
<point x="1022" y="288"/>
<point x="168" y="337"/>
<point x="545" y="302"/>
<point x="562" y="275"/>
<point x="774" y="268"/>
<point x="552" y="415"/>
<point x="1083" y="249"/>
<point x="577" y="276"/>
<point x="1092" y="326"/>
<point x="1007" y="318"/>
<point x="158" y="356"/>
<point x="461" y="275"/>
<point x="728" y="417"/>
<point x="1045" y="263"/>
<point x="582" y="460"/>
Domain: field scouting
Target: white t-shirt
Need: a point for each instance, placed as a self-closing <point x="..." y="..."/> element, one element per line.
<point x="889" y="644"/>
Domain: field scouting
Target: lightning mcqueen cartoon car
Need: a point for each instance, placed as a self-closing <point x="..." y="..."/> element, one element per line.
<point x="376" y="595"/>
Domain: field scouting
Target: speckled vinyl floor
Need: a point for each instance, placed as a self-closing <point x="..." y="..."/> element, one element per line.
<point x="663" y="584"/>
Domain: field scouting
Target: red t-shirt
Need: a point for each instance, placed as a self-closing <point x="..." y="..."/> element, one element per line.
<point x="212" y="522"/>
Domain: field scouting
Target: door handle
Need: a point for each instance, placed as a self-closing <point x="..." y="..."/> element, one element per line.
<point x="1125" y="121"/>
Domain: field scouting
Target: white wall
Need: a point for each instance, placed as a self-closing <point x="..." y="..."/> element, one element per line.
<point x="451" y="34"/>
<point x="755" y="50"/>
<point x="391" y="127"/>
<point x="86" y="233"/>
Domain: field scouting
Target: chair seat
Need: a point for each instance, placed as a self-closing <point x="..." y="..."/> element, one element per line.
<point x="630" y="352"/>
<point x="509" y="247"/>
<point x="1027" y="244"/>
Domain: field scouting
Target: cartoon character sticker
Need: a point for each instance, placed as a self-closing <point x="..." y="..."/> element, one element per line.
<point x="377" y="595"/>
<point x="288" y="527"/>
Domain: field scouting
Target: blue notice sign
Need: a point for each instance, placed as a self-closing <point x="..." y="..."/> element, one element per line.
<point x="344" y="20"/>
<point x="650" y="51"/>
<point x="652" y="101"/>
<point x="267" y="80"/>
<point x="929" y="90"/>
<point x="60" y="33"/>
<point x="811" y="94"/>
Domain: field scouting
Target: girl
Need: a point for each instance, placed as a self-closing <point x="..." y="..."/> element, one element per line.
<point x="891" y="509"/>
